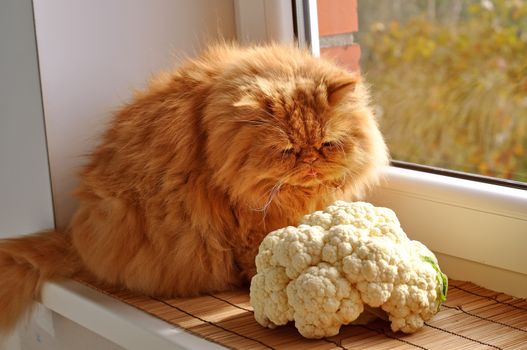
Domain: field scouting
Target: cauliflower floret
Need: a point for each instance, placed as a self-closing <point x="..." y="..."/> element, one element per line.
<point x="294" y="248"/>
<point x="380" y="221"/>
<point x="322" y="301"/>
<point x="283" y="255"/>
<point x="323" y="273"/>
<point x="269" y="298"/>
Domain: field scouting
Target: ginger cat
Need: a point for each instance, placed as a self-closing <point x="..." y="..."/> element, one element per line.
<point x="198" y="168"/>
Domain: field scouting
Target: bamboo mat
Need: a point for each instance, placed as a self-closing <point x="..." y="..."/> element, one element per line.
<point x="471" y="318"/>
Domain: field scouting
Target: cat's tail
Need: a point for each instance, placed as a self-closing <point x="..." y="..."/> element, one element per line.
<point x="25" y="264"/>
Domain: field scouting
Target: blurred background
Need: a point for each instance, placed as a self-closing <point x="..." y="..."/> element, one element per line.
<point x="449" y="77"/>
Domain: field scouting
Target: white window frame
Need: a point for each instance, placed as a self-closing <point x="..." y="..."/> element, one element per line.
<point x="477" y="230"/>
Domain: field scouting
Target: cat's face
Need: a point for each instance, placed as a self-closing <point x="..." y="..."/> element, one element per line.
<point x="299" y="140"/>
<point x="302" y="132"/>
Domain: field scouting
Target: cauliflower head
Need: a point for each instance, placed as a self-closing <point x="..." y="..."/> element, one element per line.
<point x="323" y="273"/>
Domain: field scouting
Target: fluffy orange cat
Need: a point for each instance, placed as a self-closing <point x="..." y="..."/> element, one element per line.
<point x="198" y="168"/>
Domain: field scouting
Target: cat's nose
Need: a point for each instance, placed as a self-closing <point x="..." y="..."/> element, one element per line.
<point x="309" y="158"/>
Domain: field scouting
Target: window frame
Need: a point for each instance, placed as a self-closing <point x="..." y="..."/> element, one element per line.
<point x="478" y="230"/>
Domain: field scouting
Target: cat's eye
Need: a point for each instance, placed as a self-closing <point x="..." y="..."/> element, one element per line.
<point x="288" y="151"/>
<point x="329" y="144"/>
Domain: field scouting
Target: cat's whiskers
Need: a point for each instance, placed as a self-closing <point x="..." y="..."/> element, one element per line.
<point x="342" y="181"/>
<point x="270" y="196"/>
<point x="347" y="172"/>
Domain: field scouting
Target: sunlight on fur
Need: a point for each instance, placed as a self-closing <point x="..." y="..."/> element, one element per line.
<point x="198" y="168"/>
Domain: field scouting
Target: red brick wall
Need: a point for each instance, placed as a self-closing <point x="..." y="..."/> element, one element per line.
<point x="339" y="17"/>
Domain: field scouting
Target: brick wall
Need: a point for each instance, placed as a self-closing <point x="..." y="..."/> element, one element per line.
<point x="337" y="21"/>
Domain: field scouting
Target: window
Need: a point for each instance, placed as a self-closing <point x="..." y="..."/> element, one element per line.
<point x="477" y="230"/>
<point x="449" y="77"/>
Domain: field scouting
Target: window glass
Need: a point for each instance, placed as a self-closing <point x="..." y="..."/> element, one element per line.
<point x="448" y="77"/>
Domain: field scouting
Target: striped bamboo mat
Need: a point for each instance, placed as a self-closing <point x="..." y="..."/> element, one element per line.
<point x="472" y="318"/>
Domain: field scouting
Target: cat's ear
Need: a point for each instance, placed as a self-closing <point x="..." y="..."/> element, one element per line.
<point x="247" y="101"/>
<point x="339" y="87"/>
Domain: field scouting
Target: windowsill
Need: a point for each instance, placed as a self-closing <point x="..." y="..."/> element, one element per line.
<point x="478" y="231"/>
<point x="121" y="324"/>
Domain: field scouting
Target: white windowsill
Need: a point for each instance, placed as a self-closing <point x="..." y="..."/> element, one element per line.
<point x="479" y="253"/>
<point x="112" y="319"/>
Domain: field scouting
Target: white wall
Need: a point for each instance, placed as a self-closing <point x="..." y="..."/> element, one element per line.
<point x="25" y="195"/>
<point x="93" y="53"/>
